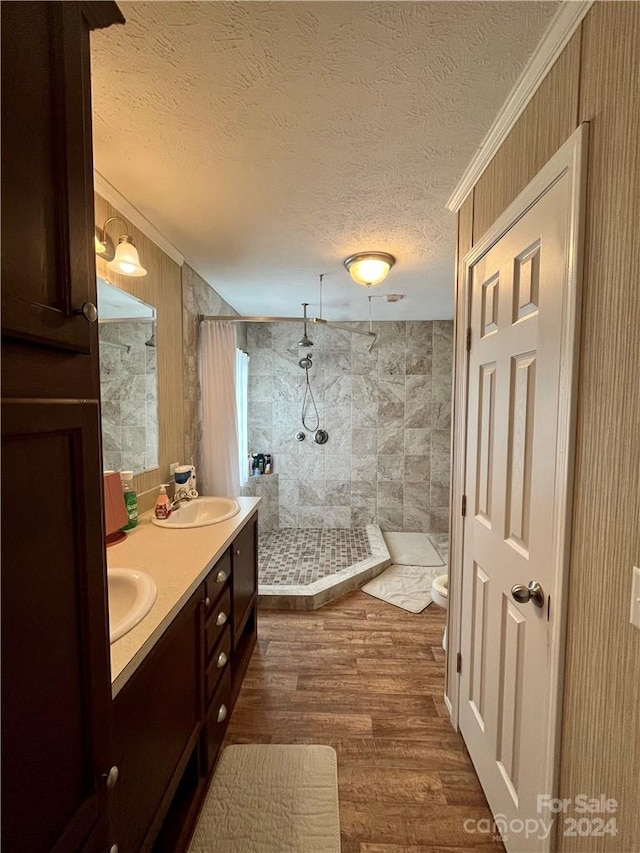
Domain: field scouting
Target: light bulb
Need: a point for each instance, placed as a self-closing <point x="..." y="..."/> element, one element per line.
<point x="126" y="260"/>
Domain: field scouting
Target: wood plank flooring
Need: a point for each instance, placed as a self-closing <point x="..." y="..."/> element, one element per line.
<point x="367" y="678"/>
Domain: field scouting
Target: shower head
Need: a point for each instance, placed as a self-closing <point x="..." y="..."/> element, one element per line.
<point x="304" y="340"/>
<point x="305" y="363"/>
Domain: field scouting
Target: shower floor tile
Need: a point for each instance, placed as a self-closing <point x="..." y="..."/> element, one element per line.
<point x="298" y="557"/>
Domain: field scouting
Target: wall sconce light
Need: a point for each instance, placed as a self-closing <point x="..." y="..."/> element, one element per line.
<point x="369" y="268"/>
<point x="124" y="259"/>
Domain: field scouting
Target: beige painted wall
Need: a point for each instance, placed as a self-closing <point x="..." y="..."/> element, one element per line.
<point x="597" y="79"/>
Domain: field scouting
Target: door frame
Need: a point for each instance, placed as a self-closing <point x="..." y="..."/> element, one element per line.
<point x="570" y="159"/>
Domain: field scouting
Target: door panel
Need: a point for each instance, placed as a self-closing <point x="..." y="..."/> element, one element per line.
<point x="517" y="291"/>
<point x="156" y="718"/>
<point x="479" y="628"/>
<point x="47" y="241"/>
<point x="486" y="425"/>
<point x="244" y="576"/>
<point x="521" y="423"/>
<point x="55" y="650"/>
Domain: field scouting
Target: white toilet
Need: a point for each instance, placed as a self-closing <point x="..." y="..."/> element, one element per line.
<point x="440" y="597"/>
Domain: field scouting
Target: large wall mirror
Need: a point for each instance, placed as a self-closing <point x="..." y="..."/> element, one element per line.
<point x="128" y="380"/>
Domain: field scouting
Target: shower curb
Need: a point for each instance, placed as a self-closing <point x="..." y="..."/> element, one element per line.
<point x="314" y="595"/>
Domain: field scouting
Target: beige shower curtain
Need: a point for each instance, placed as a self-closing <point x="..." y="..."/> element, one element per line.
<point x="217" y="365"/>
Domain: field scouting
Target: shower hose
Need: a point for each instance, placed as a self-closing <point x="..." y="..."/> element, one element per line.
<point x="308" y="395"/>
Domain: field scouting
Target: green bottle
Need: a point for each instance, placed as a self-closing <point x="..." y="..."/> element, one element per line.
<point x="130" y="499"/>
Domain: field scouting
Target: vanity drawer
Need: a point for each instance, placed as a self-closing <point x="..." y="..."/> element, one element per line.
<point x="219" y="617"/>
<point x="216" y="579"/>
<point x="215" y="724"/>
<point x="218" y="665"/>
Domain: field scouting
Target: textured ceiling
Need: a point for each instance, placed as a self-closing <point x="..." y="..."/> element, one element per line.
<point x="268" y="141"/>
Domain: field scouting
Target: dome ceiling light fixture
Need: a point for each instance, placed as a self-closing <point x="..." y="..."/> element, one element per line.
<point x="369" y="268"/>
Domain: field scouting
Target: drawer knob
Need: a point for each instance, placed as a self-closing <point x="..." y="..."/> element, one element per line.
<point x="113" y="848"/>
<point x="90" y="312"/>
<point x="207" y="602"/>
<point x="221" y="618"/>
<point x="222" y="713"/>
<point x="222" y="660"/>
<point x="221" y="577"/>
<point x="111" y="778"/>
<point x="237" y="552"/>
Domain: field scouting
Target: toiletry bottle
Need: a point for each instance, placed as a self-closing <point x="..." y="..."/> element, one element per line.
<point x="267" y="463"/>
<point x="163" y="504"/>
<point x="130" y="499"/>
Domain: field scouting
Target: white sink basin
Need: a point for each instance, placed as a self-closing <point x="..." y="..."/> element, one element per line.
<point x="132" y="594"/>
<point x="199" y="513"/>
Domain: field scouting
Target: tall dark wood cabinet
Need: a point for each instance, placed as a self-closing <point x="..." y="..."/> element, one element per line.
<point x="56" y="693"/>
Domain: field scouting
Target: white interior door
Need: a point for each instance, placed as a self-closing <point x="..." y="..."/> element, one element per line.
<point x="516" y="477"/>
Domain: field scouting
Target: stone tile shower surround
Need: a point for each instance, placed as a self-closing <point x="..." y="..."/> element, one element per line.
<point x="128" y="390"/>
<point x="388" y="414"/>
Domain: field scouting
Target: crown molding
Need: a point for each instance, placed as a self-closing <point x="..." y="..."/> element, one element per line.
<point x="553" y="42"/>
<point x="109" y="193"/>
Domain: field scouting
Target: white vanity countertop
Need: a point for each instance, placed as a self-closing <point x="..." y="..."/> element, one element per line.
<point x="178" y="561"/>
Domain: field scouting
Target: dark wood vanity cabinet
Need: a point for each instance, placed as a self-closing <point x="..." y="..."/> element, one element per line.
<point x="171" y="717"/>
<point x="244" y="557"/>
<point x="157" y="718"/>
<point x="56" y="691"/>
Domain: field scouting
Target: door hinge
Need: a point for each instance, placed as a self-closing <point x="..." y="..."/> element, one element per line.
<point x="464" y="505"/>
<point x="469" y="339"/>
<point x="548" y="608"/>
<point x="459" y="662"/>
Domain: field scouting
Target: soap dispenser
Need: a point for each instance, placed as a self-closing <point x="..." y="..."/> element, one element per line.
<point x="163" y="504"/>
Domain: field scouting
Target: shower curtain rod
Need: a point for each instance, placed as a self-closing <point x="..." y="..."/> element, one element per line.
<point x="318" y="320"/>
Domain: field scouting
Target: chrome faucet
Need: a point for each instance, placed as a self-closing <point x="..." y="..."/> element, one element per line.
<point x="180" y="495"/>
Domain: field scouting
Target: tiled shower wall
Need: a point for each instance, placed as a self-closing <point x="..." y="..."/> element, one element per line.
<point x="129" y="392"/>
<point x="388" y="414"/>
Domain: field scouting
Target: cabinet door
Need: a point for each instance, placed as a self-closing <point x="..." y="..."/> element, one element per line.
<point x="244" y="575"/>
<point x="56" y="697"/>
<point x="156" y="724"/>
<point x="48" y="261"/>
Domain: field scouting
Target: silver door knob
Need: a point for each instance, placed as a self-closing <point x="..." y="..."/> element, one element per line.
<point x="222" y="713"/>
<point x="221" y="618"/>
<point x="111" y="778"/>
<point x="222" y="660"/>
<point x="221" y="577"/>
<point x="533" y="592"/>
<point x="90" y="312"/>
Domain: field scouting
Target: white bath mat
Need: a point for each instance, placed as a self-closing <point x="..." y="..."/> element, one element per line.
<point x="265" y="798"/>
<point x="404" y="586"/>
<point x="412" y="549"/>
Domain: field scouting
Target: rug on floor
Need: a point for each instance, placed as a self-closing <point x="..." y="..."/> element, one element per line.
<point x="412" y="549"/>
<point x="407" y="587"/>
<point x="267" y="797"/>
